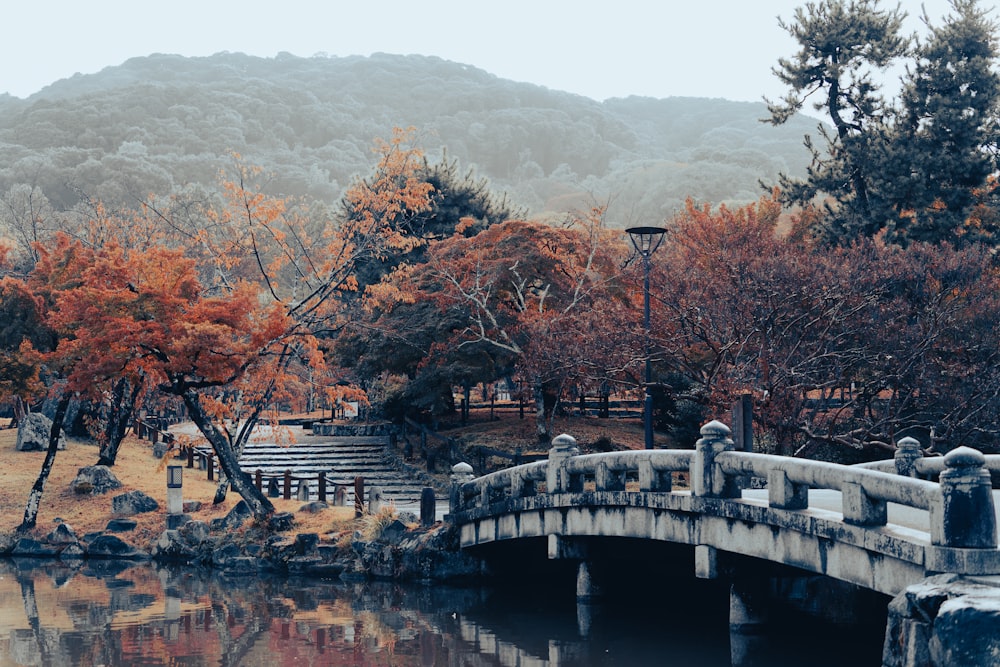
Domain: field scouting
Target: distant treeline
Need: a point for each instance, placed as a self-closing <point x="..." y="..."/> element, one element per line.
<point x="163" y="124"/>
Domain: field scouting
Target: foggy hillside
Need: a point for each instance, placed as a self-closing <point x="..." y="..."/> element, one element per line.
<point x="162" y="123"/>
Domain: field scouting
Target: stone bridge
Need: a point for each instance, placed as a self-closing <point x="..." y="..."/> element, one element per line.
<point x="879" y="530"/>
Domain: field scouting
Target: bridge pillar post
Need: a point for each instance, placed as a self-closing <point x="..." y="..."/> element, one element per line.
<point x="563" y="447"/>
<point x="460" y="474"/>
<point x="967" y="518"/>
<point x="907" y="453"/>
<point x="706" y="478"/>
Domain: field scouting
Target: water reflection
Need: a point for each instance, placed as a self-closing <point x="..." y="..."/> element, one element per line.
<point x="107" y="613"/>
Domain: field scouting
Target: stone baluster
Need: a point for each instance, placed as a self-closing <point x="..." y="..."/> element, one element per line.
<point x="651" y="479"/>
<point x="516" y="485"/>
<point x="784" y="493"/>
<point x="603" y="479"/>
<point x="461" y="473"/>
<point x="556" y="478"/>
<point x="966" y="518"/>
<point x="907" y="453"/>
<point x="706" y="477"/>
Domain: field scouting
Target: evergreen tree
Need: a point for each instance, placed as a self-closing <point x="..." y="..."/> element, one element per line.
<point x="452" y="199"/>
<point x="841" y="44"/>
<point x="944" y="144"/>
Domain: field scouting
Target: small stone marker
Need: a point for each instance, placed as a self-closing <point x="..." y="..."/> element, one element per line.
<point x="374" y="500"/>
<point x="428" y="507"/>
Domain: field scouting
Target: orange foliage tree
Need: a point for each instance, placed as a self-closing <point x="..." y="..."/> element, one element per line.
<point x="524" y="298"/>
<point x="842" y="349"/>
<point x="288" y="277"/>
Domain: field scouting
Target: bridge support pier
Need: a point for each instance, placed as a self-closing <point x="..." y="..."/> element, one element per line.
<point x="749" y="601"/>
<point x="586" y="588"/>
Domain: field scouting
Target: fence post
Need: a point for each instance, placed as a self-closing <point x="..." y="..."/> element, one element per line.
<point x="321" y="486"/>
<point x="258" y="479"/>
<point x="428" y="507"/>
<point x="287" y="490"/>
<point x="210" y="464"/>
<point x="966" y="518"/>
<point x="359" y="496"/>
<point x="706" y="478"/>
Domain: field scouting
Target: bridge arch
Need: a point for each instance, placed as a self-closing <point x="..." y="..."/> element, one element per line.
<point x="873" y="528"/>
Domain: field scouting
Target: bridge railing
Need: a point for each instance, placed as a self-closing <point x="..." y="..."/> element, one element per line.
<point x="960" y="507"/>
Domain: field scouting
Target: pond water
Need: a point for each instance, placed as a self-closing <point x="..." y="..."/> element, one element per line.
<point x="114" y="613"/>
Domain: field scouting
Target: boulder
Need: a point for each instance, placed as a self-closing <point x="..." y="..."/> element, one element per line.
<point x="26" y="546"/>
<point x="281" y="522"/>
<point x="95" y="480"/>
<point x="62" y="534"/>
<point x="306" y="543"/>
<point x="33" y="433"/>
<point x="132" y="503"/>
<point x="242" y="565"/>
<point x="240" y="513"/>
<point x="111" y="546"/>
<point x="173" y="546"/>
<point x="72" y="552"/>
<point x="194" y="532"/>
<point x="417" y="555"/>
<point x="121" y="525"/>
<point x="191" y="506"/>
<point x="393" y="532"/>
<point x="225" y="554"/>
<point x="313" y="507"/>
<point x="967" y="630"/>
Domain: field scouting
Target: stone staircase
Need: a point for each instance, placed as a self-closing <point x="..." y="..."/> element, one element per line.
<point x="341" y="458"/>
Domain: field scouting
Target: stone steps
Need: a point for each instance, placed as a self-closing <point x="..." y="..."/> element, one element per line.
<point x="340" y="458"/>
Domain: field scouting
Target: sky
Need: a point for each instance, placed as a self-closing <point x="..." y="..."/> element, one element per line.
<point x="596" y="48"/>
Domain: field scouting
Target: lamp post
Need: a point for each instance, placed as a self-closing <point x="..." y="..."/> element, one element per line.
<point x="646" y="240"/>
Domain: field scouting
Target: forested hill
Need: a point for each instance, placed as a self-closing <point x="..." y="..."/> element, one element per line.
<point x="161" y="123"/>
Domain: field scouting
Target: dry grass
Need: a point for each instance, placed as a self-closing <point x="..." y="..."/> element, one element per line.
<point x="137" y="469"/>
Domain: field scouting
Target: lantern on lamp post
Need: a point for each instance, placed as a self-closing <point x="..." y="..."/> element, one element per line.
<point x="646" y="241"/>
<point x="175" y="499"/>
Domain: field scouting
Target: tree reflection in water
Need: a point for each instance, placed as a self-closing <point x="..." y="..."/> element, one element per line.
<point x="114" y="613"/>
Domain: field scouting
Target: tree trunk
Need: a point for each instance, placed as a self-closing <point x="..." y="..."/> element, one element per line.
<point x="35" y="497"/>
<point x="241" y="482"/>
<point x="20" y="410"/>
<point x="541" y="424"/>
<point x="120" y="413"/>
<point x="243" y="434"/>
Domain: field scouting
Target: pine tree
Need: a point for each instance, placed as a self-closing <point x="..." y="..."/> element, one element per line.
<point x="841" y="45"/>
<point x="944" y="146"/>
